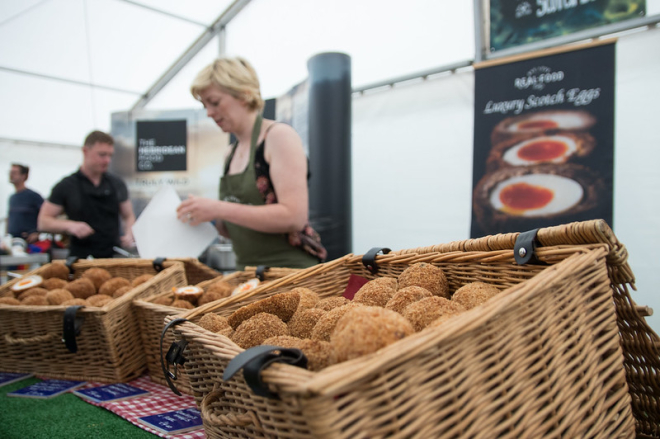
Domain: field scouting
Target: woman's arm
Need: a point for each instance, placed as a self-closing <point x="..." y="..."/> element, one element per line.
<point x="288" y="172"/>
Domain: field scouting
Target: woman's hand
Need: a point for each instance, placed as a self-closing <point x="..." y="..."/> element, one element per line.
<point x="197" y="210"/>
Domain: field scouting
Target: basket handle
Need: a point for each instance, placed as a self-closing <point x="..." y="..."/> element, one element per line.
<point x="231" y="419"/>
<point x="24" y="341"/>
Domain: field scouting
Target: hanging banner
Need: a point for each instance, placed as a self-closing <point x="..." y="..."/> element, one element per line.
<point x="544" y="141"/>
<point x="161" y="146"/>
<point x="517" y="22"/>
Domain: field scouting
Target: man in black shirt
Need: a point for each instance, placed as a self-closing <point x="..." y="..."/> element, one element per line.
<point x="93" y="200"/>
<point x="24" y="206"/>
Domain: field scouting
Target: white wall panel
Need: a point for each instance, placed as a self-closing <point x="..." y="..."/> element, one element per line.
<point x="412" y="164"/>
<point x="636" y="159"/>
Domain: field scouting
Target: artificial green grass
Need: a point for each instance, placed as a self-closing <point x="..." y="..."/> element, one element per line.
<point x="64" y="416"/>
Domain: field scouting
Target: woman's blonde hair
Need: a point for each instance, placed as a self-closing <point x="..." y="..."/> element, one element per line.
<point x="235" y="76"/>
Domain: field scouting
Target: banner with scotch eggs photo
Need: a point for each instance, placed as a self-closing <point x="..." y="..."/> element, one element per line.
<point x="543" y="140"/>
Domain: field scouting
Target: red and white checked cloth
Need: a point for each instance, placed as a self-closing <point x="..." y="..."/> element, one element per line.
<point x="160" y="400"/>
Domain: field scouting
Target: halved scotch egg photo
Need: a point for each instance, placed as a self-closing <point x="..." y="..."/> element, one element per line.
<point x="560" y="148"/>
<point x="549" y="122"/>
<point x="525" y="197"/>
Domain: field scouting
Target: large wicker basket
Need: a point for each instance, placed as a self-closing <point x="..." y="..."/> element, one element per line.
<point x="109" y="343"/>
<point x="543" y="359"/>
<point x="152" y="316"/>
<point x="641" y="345"/>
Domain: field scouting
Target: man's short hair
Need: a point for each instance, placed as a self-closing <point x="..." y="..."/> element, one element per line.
<point x="25" y="170"/>
<point x="98" y="137"/>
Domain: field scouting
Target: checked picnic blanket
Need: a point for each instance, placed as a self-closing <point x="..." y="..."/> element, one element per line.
<point x="160" y="400"/>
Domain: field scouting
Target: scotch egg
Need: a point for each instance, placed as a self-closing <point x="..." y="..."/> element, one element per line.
<point x="547" y="149"/>
<point x="246" y="286"/>
<point x="190" y="293"/>
<point x="558" y="148"/>
<point x="516" y="198"/>
<point x="541" y="123"/>
<point x="552" y="120"/>
<point x="536" y="195"/>
<point x="28" y="282"/>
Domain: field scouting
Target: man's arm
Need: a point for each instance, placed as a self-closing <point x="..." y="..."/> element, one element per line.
<point x="48" y="221"/>
<point x="128" y="217"/>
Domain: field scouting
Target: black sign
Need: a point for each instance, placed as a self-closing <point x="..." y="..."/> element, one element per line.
<point x="161" y="146"/>
<point x="544" y="141"/>
<point x="516" y="22"/>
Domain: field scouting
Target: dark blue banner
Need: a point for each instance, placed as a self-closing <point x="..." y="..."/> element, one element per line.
<point x="544" y="141"/>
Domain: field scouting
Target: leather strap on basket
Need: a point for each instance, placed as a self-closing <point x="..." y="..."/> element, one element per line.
<point x="71" y="327"/>
<point x="174" y="356"/>
<point x="256" y="359"/>
<point x="69" y="264"/>
<point x="369" y="258"/>
<point x="524" y="250"/>
<point x="158" y="264"/>
<point x="260" y="273"/>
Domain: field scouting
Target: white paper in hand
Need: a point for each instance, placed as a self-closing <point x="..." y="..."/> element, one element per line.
<point x="159" y="233"/>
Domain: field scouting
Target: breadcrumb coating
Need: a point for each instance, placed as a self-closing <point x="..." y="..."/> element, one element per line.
<point x="55" y="269"/>
<point x="111" y="285"/>
<point x="36" y="291"/>
<point x="54" y="283"/>
<point x="220" y="288"/>
<point x="163" y="300"/>
<point x="97" y="275"/>
<point x="332" y="302"/>
<point x="406" y="296"/>
<point x="99" y="300"/>
<point x="214" y="323"/>
<point x="326" y="324"/>
<point x="35" y="300"/>
<point x="184" y="304"/>
<point x="81" y="288"/>
<point x="427" y="276"/>
<point x="283" y="305"/>
<point x="58" y="296"/>
<point x="308" y="298"/>
<point x="366" y="329"/>
<point x="303" y="321"/>
<point x="376" y="292"/>
<point x="424" y="311"/>
<point x="261" y="326"/>
<point x="319" y="353"/>
<point x="9" y="301"/>
<point x="474" y="294"/>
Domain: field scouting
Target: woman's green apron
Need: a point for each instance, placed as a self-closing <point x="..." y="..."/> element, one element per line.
<point x="251" y="247"/>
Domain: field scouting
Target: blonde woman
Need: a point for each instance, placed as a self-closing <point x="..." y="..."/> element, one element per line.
<point x="263" y="205"/>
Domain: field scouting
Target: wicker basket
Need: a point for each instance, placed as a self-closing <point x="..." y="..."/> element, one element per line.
<point x="543" y="359"/>
<point x="108" y="345"/>
<point x="641" y="345"/>
<point x="152" y="316"/>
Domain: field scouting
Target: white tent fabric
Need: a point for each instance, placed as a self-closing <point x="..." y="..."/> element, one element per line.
<point x="66" y="65"/>
<point x="69" y="64"/>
